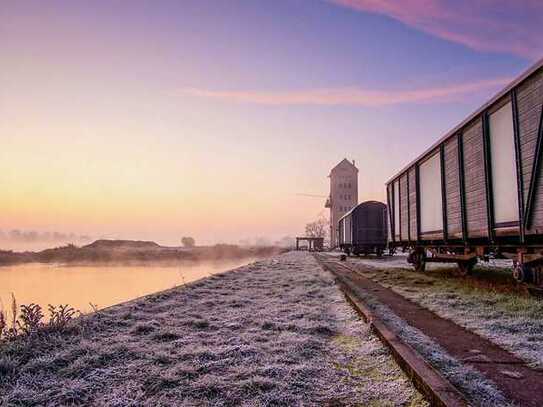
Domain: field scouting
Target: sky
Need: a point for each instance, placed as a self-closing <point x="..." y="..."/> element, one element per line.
<point x="161" y="119"/>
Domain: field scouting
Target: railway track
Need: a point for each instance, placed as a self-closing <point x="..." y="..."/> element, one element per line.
<point x="519" y="383"/>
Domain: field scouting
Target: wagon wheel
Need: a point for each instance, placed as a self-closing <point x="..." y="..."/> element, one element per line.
<point x="521" y="272"/>
<point x="538" y="275"/>
<point x="419" y="261"/>
<point x="466" y="267"/>
<point x="531" y="274"/>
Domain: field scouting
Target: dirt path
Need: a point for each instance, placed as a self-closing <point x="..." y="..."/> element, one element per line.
<point x="518" y="382"/>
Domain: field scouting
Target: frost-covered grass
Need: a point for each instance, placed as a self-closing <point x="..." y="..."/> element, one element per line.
<point x="276" y="332"/>
<point x="485" y="303"/>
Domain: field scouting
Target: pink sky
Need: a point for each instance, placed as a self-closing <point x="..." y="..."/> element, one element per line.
<point x="156" y="120"/>
<point x="479" y="25"/>
<point x="354" y="96"/>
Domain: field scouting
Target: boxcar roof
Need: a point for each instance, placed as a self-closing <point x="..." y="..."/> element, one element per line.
<point x="359" y="205"/>
<point x="456" y="129"/>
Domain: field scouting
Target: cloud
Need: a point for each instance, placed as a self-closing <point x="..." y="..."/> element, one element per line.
<point x="502" y="26"/>
<point x="352" y="96"/>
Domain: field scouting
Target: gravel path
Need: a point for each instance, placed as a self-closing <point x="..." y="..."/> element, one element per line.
<point x="276" y="332"/>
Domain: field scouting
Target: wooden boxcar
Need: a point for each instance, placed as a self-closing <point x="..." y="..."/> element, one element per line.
<point x="363" y="230"/>
<point x="477" y="191"/>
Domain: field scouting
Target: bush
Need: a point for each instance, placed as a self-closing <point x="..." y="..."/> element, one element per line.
<point x="28" y="322"/>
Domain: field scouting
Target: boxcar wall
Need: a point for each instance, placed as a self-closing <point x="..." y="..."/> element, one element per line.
<point x="479" y="187"/>
<point x="364" y="229"/>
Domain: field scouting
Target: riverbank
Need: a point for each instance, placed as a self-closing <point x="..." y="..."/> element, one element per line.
<point x="132" y="253"/>
<point x="275" y="332"/>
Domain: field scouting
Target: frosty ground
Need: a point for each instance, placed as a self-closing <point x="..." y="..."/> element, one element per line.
<point x="486" y="303"/>
<point x="276" y="332"/>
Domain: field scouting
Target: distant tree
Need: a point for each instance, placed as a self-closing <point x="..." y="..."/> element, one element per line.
<point x="317" y="228"/>
<point x="188" y="241"/>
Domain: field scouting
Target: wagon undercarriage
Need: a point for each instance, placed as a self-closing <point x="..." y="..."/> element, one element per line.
<point x="527" y="260"/>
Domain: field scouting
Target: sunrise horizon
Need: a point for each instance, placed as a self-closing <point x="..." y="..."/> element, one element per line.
<point x="185" y="122"/>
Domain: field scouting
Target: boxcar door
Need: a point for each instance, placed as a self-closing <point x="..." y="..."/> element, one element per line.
<point x="504" y="173"/>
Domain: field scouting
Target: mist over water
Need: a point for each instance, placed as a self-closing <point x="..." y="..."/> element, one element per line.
<point x="102" y="286"/>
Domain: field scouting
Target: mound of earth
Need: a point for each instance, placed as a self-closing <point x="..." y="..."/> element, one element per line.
<point x="122" y="244"/>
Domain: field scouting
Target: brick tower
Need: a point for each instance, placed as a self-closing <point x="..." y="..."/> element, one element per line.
<point x="343" y="194"/>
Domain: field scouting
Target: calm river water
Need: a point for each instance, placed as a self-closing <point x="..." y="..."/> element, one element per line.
<point x="103" y="286"/>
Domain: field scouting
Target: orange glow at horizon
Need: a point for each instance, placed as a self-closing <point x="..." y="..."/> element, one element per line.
<point x="98" y="135"/>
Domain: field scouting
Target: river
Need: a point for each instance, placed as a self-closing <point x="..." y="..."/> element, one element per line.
<point x="101" y="285"/>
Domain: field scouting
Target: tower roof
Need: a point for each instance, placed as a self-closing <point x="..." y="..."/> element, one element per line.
<point x="346" y="164"/>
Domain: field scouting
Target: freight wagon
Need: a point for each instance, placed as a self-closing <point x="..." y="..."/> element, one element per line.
<point x="363" y="230"/>
<point x="477" y="191"/>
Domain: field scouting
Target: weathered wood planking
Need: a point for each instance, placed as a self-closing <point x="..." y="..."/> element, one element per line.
<point x="413" y="203"/>
<point x="404" y="208"/>
<point x="467" y="140"/>
<point x="530" y="103"/>
<point x="474" y="176"/>
<point x="390" y="211"/>
<point x="452" y="189"/>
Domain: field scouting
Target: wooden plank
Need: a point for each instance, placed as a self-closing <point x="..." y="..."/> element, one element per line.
<point x="530" y="105"/>
<point x="404" y="208"/>
<point x="452" y="187"/>
<point x="390" y="211"/>
<point x="413" y="203"/>
<point x="474" y="173"/>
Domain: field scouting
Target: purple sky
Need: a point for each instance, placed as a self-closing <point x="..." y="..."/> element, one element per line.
<point x="156" y="119"/>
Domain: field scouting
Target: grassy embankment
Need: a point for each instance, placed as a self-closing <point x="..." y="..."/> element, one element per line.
<point x="276" y="332"/>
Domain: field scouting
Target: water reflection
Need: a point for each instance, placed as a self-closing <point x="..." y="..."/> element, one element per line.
<point x="103" y="286"/>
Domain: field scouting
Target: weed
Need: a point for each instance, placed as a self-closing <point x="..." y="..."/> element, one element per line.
<point x="12" y="332"/>
<point x="3" y="323"/>
<point x="60" y="317"/>
<point x="29" y="321"/>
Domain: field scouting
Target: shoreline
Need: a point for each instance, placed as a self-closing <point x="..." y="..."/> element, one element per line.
<point x="274" y="331"/>
<point x="133" y="253"/>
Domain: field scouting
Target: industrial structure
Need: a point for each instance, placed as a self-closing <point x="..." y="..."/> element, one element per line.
<point x="343" y="194"/>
